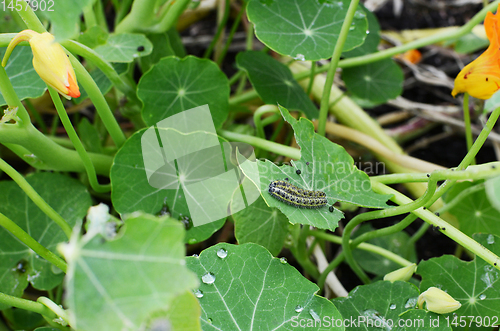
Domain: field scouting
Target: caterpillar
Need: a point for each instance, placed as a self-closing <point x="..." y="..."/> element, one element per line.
<point x="295" y="196"/>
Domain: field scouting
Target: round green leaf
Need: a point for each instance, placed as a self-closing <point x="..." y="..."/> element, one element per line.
<point x="262" y="225"/>
<point x="376" y="82"/>
<point x="22" y="75"/>
<point x="244" y="288"/>
<point x="174" y="85"/>
<point x="377" y="304"/>
<point x="19" y="264"/>
<point x="275" y="83"/>
<point x="124" y="47"/>
<point x="118" y="284"/>
<point x="304" y="29"/>
<point x="473" y="283"/>
<point x="132" y="192"/>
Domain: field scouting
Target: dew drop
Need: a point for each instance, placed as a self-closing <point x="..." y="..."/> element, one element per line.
<point x="195" y="255"/>
<point x="208" y="278"/>
<point x="392" y="307"/>
<point x="359" y="15"/>
<point x="300" y="57"/>
<point x="314" y="315"/>
<point x="482" y="297"/>
<point x="198" y="294"/>
<point x="299" y="309"/>
<point x="222" y="253"/>
<point x="283" y="260"/>
<point x="192" y="241"/>
<point x="490" y="239"/>
<point x="351" y="28"/>
<point x="209" y="321"/>
<point x="411" y="303"/>
<point x="367" y="31"/>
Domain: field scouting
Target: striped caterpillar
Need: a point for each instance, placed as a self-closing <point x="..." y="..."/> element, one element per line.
<point x="295" y="196"/>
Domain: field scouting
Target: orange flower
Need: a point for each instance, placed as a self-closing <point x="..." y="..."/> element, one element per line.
<point x="481" y="77"/>
<point x="49" y="61"/>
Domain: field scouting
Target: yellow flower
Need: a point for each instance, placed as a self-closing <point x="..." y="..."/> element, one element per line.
<point x="481" y="77"/>
<point x="438" y="301"/>
<point x="403" y="274"/>
<point x="49" y="61"/>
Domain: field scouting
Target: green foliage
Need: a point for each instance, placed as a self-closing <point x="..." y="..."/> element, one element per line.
<point x="23" y="76"/>
<point x="174" y="85"/>
<point x="375" y="82"/>
<point x="20" y="265"/>
<point x="243" y="287"/>
<point x="275" y="83"/>
<point x="63" y="14"/>
<point x="124" y="47"/>
<point x="472" y="283"/>
<point x="323" y="166"/>
<point x="102" y="283"/>
<point x="304" y="30"/>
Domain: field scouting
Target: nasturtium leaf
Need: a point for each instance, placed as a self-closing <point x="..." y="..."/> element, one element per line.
<point x="132" y="192"/>
<point x="174" y="85"/>
<point x="103" y="82"/>
<point x="275" y="83"/>
<point x="372" y="36"/>
<point x="93" y="37"/>
<point x="377" y="306"/>
<point x="473" y="210"/>
<point x="20" y="319"/>
<point x="22" y="75"/>
<point x="473" y="283"/>
<point x="161" y="49"/>
<point x="244" y="288"/>
<point x="63" y="15"/>
<point x="323" y="166"/>
<point x="18" y="263"/>
<point x="118" y="284"/>
<point x="183" y="315"/>
<point x="7" y="22"/>
<point x="305" y="29"/>
<point x="262" y="225"/>
<point x="376" y="82"/>
<point x="470" y="43"/>
<point x="422" y="320"/>
<point x="124" y="47"/>
<point x="377" y="264"/>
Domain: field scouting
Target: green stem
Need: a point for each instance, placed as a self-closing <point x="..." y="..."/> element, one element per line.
<point x="125" y="86"/>
<point x="30" y="18"/>
<point x="311" y="78"/>
<point x="235" y="25"/>
<point x="236" y="77"/>
<point x="221" y="27"/>
<point x="257" y="118"/>
<point x="26" y="239"/>
<point x="100" y="103"/>
<point x="270" y="146"/>
<point x="448" y="230"/>
<point x="468" y="131"/>
<point x="29" y="305"/>
<point x="417" y="235"/>
<point x="244" y="97"/>
<point x="55" y="308"/>
<point x="332" y="68"/>
<point x="70" y="130"/>
<point x="35" y="197"/>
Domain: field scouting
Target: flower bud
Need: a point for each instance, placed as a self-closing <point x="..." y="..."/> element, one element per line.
<point x="438" y="301"/>
<point x="49" y="61"/>
<point x="403" y="274"/>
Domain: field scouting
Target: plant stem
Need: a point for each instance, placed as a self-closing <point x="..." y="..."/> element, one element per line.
<point x="70" y="130"/>
<point x="271" y="146"/>
<point x="468" y="131"/>
<point x="265" y="109"/>
<point x="26" y="239"/>
<point x="26" y="305"/>
<point x="100" y="103"/>
<point x="332" y="68"/>
<point x="54" y="308"/>
<point x="220" y="27"/>
<point x="35" y="197"/>
<point x="11" y="98"/>
<point x="235" y="25"/>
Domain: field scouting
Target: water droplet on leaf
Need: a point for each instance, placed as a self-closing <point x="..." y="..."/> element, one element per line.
<point x="222" y="253"/>
<point x="482" y="297"/>
<point x="283" y="260"/>
<point x="299" y="309"/>
<point x="208" y="278"/>
<point x="198" y="294"/>
<point x="490" y="239"/>
<point x="392" y="307"/>
<point x="411" y="303"/>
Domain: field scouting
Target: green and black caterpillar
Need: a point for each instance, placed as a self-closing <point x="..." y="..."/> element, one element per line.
<point x="295" y="196"/>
